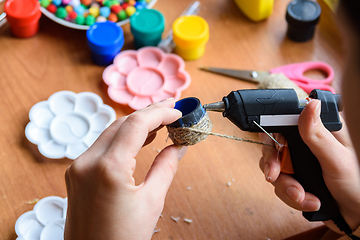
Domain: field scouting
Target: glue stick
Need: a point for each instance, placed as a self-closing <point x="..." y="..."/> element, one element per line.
<point x="256" y="10"/>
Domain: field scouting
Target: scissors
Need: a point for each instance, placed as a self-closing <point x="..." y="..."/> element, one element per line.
<point x="294" y="72"/>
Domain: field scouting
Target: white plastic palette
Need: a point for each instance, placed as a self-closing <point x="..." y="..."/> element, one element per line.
<point x="45" y="222"/>
<point x="67" y="124"/>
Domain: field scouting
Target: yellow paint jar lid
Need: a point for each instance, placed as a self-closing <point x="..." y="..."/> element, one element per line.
<point x="190" y="31"/>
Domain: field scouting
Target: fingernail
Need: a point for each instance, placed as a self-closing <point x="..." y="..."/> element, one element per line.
<point x="316" y="118"/>
<point x="311" y="205"/>
<point x="167" y="99"/>
<point x="293" y="193"/>
<point x="182" y="151"/>
<point x="266" y="171"/>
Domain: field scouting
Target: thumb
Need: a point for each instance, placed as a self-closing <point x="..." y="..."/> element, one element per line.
<point x="163" y="169"/>
<point x="321" y="142"/>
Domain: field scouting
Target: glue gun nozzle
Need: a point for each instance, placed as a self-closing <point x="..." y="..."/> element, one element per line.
<point x="216" y="107"/>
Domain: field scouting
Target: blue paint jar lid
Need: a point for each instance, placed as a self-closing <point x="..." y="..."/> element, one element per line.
<point x="192" y="112"/>
<point x="105" y="38"/>
<point x="147" y="23"/>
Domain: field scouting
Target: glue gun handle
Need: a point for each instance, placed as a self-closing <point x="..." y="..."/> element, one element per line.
<point x="308" y="172"/>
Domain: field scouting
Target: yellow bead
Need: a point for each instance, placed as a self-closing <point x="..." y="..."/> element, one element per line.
<point x="94" y="11"/>
<point x="130" y="10"/>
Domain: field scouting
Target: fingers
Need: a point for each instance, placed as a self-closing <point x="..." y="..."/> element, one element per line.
<point x="103" y="142"/>
<point x="343" y="135"/>
<point x="270" y="162"/>
<point x="163" y="170"/>
<point x="133" y="133"/>
<point x="292" y="193"/>
<point x="328" y="150"/>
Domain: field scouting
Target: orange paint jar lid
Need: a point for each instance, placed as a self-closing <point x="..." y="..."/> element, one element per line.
<point x="22" y="12"/>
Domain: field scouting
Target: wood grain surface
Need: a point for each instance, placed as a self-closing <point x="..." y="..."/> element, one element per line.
<point x="57" y="58"/>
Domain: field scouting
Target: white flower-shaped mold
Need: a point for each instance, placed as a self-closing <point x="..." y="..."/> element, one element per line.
<point x="67" y="124"/>
<point x="45" y="222"/>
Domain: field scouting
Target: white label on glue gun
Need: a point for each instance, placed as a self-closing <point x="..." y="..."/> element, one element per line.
<point x="279" y="120"/>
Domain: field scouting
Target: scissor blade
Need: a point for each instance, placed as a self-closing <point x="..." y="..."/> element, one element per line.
<point x="248" y="75"/>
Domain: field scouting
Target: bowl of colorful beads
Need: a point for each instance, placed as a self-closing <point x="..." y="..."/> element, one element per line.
<point x="80" y="14"/>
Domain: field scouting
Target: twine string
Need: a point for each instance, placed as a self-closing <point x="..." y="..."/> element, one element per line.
<point x="198" y="132"/>
<point x="231" y="137"/>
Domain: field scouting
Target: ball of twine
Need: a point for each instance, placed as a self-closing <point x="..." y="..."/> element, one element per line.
<point x="186" y="136"/>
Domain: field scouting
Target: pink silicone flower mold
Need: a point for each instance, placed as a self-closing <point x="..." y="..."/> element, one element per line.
<point x="139" y="78"/>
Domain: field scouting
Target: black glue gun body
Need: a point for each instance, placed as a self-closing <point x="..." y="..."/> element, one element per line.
<point x="277" y="111"/>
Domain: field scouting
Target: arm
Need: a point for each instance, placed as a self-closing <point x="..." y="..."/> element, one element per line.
<point x="103" y="200"/>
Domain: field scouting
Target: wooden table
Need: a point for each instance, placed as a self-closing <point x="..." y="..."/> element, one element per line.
<point x="57" y="58"/>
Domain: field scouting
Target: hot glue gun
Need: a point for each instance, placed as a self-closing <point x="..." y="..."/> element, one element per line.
<point x="277" y="111"/>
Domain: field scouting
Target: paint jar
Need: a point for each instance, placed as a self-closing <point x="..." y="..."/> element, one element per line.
<point x="147" y="25"/>
<point x="190" y="34"/>
<point x="105" y="40"/>
<point x="23" y="17"/>
<point x="256" y="10"/>
<point x="302" y="17"/>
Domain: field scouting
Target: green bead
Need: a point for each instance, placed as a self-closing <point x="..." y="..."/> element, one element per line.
<point x="45" y="3"/>
<point x="80" y="20"/>
<point x="61" y="12"/>
<point x="114" y="2"/>
<point x="89" y="20"/>
<point x="106" y="3"/>
<point x="84" y="6"/>
<point x="122" y="15"/>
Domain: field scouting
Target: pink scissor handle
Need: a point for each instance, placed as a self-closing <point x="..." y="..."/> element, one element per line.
<point x="296" y="71"/>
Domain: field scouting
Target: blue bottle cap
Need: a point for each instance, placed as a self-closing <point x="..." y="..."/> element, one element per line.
<point x="192" y="112"/>
<point x="105" y="38"/>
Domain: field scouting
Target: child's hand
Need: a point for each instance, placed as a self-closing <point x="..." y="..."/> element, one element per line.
<point x="103" y="201"/>
<point x="338" y="162"/>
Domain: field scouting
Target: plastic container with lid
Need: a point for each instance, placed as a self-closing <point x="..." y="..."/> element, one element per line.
<point x="105" y="40"/>
<point x="256" y="10"/>
<point x="190" y="34"/>
<point x="147" y="25"/>
<point x="302" y="17"/>
<point x="23" y="17"/>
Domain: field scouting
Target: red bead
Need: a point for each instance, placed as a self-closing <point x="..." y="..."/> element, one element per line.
<point x="52" y="8"/>
<point x="124" y="5"/>
<point x="116" y="8"/>
<point x="72" y="15"/>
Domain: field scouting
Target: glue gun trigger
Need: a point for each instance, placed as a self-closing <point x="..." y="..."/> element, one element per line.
<point x="285" y="160"/>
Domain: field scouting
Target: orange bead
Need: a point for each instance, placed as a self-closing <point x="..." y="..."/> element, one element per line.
<point x="112" y="17"/>
<point x="86" y="2"/>
<point x="69" y="8"/>
<point x="132" y="2"/>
